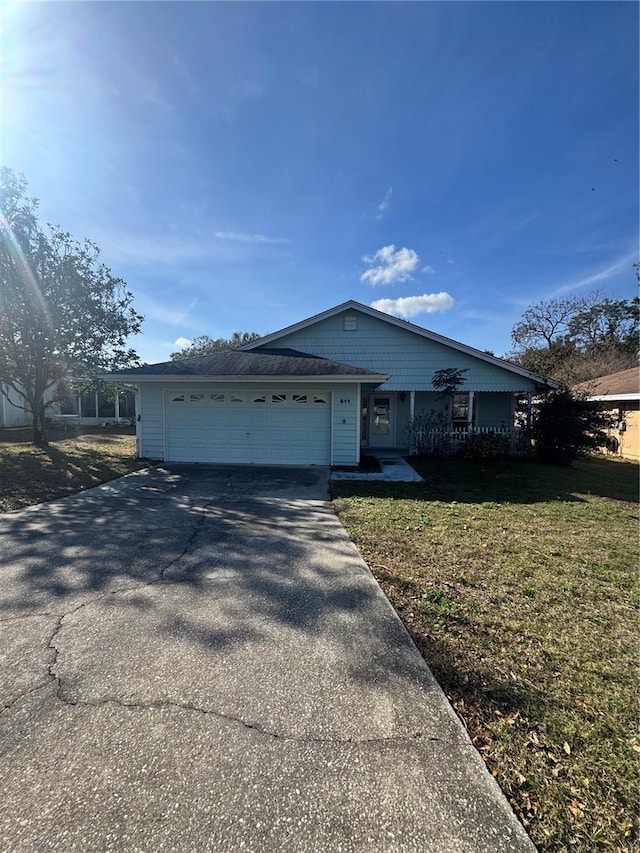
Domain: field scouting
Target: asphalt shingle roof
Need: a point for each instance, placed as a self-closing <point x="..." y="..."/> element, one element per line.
<point x="263" y="362"/>
<point x="623" y="382"/>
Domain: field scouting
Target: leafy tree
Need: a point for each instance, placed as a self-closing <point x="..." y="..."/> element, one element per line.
<point x="447" y="380"/>
<point x="565" y="426"/>
<point x="204" y="345"/>
<point x="62" y="312"/>
<point x="577" y="338"/>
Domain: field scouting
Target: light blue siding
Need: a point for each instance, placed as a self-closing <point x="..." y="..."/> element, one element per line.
<point x="410" y="358"/>
<point x="495" y="410"/>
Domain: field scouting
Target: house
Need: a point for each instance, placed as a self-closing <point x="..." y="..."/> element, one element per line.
<point x="619" y="395"/>
<point x="318" y="392"/>
<point x="88" y="409"/>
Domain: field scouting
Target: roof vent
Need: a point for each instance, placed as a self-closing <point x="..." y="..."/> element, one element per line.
<point x="350" y="322"/>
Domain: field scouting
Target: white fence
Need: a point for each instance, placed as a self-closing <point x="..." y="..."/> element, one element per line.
<point x="449" y="440"/>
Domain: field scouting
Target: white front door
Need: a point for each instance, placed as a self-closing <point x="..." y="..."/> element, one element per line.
<point x="381" y="420"/>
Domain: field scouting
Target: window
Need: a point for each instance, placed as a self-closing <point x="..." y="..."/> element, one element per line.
<point x="318" y="399"/>
<point x="236" y="398"/>
<point x="460" y="410"/>
<point x="88" y="405"/>
<point x="179" y="398"/>
<point x="217" y="398"/>
<point x="278" y="398"/>
<point x="106" y="406"/>
<point x="67" y="400"/>
<point x="196" y="398"/>
<point x="261" y="398"/>
<point x="299" y="398"/>
<point x="350" y="322"/>
<point x="127" y="404"/>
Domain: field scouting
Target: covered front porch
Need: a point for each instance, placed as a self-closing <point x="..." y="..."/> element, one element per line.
<point x="424" y="421"/>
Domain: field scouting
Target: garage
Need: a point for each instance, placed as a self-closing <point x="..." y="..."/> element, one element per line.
<point x="269" y="426"/>
<point x="269" y="407"/>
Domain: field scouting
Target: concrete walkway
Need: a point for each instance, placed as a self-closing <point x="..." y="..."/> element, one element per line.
<point x="197" y="659"/>
<point x="394" y="469"/>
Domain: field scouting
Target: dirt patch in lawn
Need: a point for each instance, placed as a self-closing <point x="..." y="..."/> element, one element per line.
<point x="367" y="465"/>
<point x="518" y="583"/>
<point x="70" y="463"/>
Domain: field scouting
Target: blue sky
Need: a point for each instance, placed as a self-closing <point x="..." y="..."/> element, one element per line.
<point x="246" y="165"/>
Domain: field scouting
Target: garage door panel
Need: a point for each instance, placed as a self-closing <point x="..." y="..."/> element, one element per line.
<point x="275" y="431"/>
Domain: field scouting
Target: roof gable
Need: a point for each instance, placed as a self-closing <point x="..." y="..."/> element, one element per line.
<point x="352" y="305"/>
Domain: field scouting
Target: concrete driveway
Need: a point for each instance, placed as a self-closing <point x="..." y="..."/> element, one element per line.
<point x="198" y="659"/>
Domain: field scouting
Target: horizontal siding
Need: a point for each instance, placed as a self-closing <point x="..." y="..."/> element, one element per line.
<point x="409" y="358"/>
<point x="151" y="421"/>
<point x="495" y="410"/>
<point x="346" y="413"/>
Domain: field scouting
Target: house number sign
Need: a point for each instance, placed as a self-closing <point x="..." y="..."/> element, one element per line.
<point x="346" y="401"/>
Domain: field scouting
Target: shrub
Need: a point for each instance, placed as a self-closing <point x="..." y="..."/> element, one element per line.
<point x="430" y="434"/>
<point x="487" y="445"/>
<point x="564" y="427"/>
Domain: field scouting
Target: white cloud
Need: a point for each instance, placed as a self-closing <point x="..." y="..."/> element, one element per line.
<point x="384" y="204"/>
<point x="409" y="306"/>
<point x="388" y="265"/>
<point x="428" y="269"/>
<point x="249" y="238"/>
<point x="182" y="343"/>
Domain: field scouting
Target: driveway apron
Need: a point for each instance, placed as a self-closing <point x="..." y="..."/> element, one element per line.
<point x="198" y="659"/>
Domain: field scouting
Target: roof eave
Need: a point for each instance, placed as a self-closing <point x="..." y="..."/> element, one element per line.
<point x="182" y="377"/>
<point x="606" y="398"/>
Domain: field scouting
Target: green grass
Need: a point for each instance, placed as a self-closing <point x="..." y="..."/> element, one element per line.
<point x="70" y="463"/>
<point x="518" y="583"/>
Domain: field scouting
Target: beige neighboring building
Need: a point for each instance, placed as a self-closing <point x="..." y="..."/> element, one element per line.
<point x="619" y="394"/>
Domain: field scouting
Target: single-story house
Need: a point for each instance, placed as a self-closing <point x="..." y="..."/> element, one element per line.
<point x="619" y="396"/>
<point x="90" y="408"/>
<point x="319" y="392"/>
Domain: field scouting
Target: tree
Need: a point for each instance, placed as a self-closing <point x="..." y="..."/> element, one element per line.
<point x="448" y="380"/>
<point x="565" y="427"/>
<point x="62" y="313"/>
<point x="204" y="345"/>
<point x="577" y="338"/>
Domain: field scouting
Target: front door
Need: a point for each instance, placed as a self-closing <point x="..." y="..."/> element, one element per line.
<point x="381" y="425"/>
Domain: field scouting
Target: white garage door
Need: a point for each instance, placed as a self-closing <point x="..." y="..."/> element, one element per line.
<point x="271" y="427"/>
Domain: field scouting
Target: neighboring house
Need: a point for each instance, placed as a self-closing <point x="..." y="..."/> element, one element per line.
<point x="93" y="408"/>
<point x="619" y="396"/>
<point x="87" y="409"/>
<point x="318" y="392"/>
<point x="12" y="413"/>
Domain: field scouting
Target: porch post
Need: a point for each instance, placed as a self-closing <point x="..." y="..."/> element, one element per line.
<point x="470" y="412"/>
<point x="412" y="413"/>
<point x="117" y="407"/>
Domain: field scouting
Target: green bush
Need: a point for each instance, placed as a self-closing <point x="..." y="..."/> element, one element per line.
<point x="487" y="445"/>
<point x="564" y="427"/>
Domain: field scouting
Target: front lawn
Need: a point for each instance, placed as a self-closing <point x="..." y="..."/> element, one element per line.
<point x="70" y="463"/>
<point x="518" y="583"/>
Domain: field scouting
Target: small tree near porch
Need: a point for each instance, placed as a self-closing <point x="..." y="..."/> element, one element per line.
<point x="62" y="312"/>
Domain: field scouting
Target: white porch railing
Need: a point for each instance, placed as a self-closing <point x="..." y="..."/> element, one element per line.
<point x="436" y="440"/>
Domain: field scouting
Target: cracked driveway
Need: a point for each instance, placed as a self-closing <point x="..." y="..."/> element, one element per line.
<point x="197" y="659"/>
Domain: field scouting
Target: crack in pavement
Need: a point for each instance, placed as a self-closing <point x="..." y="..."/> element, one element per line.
<point x="254" y="727"/>
<point x="53" y="678"/>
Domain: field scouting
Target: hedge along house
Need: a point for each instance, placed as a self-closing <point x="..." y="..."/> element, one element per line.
<point x="318" y="392"/>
